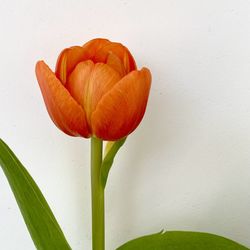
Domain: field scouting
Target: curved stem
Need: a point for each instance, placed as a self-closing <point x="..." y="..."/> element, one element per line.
<point x="97" y="193"/>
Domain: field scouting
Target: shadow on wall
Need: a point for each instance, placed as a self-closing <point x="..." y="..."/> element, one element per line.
<point x="160" y="133"/>
<point x="168" y="119"/>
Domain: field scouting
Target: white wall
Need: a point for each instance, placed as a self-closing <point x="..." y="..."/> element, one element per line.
<point x="186" y="167"/>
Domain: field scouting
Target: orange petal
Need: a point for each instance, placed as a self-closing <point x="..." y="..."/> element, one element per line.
<point x="70" y="57"/>
<point x="121" y="110"/>
<point x="94" y="45"/>
<point x="65" y="112"/>
<point x="97" y="50"/>
<point x="89" y="82"/>
<point x="79" y="79"/>
<point x="67" y="61"/>
<point x="103" y="79"/>
<point x="114" y="62"/>
<point x="120" y="51"/>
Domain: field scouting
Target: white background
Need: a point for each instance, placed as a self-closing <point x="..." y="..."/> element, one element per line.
<point x="187" y="166"/>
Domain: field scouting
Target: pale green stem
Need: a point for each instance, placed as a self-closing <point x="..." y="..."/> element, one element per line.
<point x="97" y="192"/>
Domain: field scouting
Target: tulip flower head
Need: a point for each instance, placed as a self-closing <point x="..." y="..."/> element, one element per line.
<point x="96" y="90"/>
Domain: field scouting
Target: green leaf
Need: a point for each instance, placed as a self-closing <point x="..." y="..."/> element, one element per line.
<point x="40" y="221"/>
<point x="109" y="159"/>
<point x="180" y="240"/>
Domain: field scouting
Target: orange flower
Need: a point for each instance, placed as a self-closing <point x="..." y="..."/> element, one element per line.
<point x="96" y="90"/>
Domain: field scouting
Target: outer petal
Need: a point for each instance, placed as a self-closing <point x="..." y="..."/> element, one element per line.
<point x="121" y="110"/>
<point x="65" y="112"/>
<point x="89" y="82"/>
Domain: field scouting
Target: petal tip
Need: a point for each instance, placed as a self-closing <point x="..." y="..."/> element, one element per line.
<point x="40" y="67"/>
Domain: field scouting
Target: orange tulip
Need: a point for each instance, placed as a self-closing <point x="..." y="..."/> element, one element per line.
<point x="96" y="90"/>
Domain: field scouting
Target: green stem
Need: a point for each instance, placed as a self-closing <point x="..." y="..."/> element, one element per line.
<point x="97" y="192"/>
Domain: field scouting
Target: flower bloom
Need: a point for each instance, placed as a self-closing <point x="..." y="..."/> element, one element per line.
<point x="96" y="90"/>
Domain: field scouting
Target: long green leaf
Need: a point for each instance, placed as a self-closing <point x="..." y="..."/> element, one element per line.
<point x="180" y="240"/>
<point x="40" y="221"/>
<point x="109" y="159"/>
